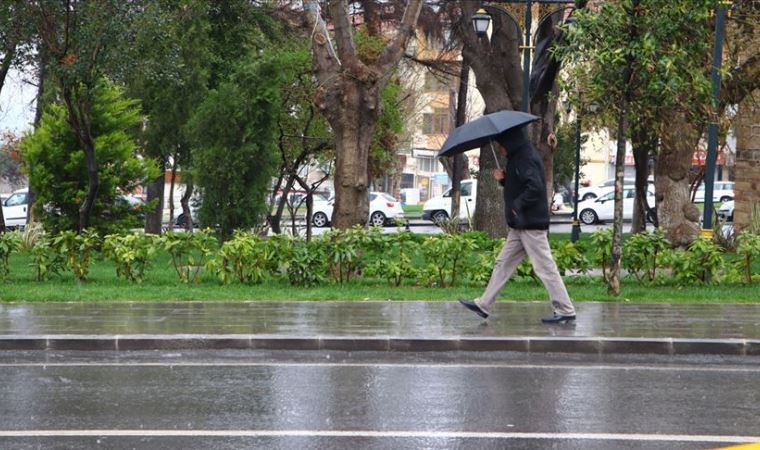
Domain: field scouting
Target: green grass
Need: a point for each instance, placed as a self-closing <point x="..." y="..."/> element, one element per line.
<point x="161" y="284"/>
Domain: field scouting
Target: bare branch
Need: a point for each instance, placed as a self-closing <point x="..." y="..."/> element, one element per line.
<point x="392" y="54"/>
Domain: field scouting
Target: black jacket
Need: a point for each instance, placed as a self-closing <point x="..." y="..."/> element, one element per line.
<point x="525" y="202"/>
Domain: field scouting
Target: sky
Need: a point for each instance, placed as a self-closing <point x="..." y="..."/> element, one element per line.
<point x="16" y="104"/>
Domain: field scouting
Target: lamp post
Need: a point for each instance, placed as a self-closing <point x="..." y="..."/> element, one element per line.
<point x="481" y="21"/>
<point x="712" y="130"/>
<point x="575" y="232"/>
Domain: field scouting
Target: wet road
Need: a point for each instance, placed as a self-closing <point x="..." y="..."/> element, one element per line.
<point x="304" y="400"/>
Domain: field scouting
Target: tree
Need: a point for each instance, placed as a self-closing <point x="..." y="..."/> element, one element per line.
<point x="349" y="97"/>
<point x="233" y="134"/>
<point x="82" y="38"/>
<point x="58" y="165"/>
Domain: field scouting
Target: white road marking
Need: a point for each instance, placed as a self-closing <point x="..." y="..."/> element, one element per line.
<point x="381" y="434"/>
<point x="753" y="369"/>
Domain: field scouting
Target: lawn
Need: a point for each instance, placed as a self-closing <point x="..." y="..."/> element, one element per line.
<point x="161" y="284"/>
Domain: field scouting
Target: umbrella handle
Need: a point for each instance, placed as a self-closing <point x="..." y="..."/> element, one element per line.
<point x="496" y="158"/>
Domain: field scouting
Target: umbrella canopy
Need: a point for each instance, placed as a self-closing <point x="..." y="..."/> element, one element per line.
<point x="482" y="130"/>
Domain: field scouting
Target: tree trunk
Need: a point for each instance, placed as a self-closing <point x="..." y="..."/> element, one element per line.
<point x="155" y="192"/>
<point x="353" y="135"/>
<point x="275" y="220"/>
<point x="677" y="215"/>
<point x="747" y="188"/>
<point x="172" y="183"/>
<point x="613" y="284"/>
<point x="542" y="136"/>
<point x="39" y="109"/>
<point x="644" y="144"/>
<point x="185" y="202"/>
<point x="458" y="162"/>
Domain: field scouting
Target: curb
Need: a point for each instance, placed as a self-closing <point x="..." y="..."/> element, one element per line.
<point x="524" y="344"/>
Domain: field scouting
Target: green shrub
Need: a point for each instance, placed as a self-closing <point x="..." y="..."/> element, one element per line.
<point x="748" y="249"/>
<point x="569" y="256"/>
<point x="10" y="242"/>
<point x="643" y="252"/>
<point x="188" y="252"/>
<point x="601" y="242"/>
<point x="344" y="251"/>
<point x="46" y="258"/>
<point x="307" y="266"/>
<point x="392" y="256"/>
<point x="443" y="255"/>
<point x="77" y="250"/>
<point x="701" y="262"/>
<point x="132" y="253"/>
<point x="244" y="257"/>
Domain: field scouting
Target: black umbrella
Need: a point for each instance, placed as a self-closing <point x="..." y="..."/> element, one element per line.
<point x="482" y="130"/>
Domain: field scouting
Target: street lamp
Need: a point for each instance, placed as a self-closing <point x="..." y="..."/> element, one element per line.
<point x="482" y="19"/>
<point x="575" y="232"/>
<point x="712" y="130"/>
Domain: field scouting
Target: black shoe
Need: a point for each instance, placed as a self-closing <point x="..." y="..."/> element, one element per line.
<point x="557" y="318"/>
<point x="472" y="306"/>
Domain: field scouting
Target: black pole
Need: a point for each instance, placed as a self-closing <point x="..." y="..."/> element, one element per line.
<point x="527" y="46"/>
<point x="575" y="232"/>
<point x="712" y="131"/>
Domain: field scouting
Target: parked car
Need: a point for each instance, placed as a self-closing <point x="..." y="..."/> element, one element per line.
<point x="723" y="191"/>
<point x="14" y="208"/>
<point x="726" y="211"/>
<point x="382" y="209"/>
<point x="606" y="186"/>
<point x="438" y="209"/>
<point x="603" y="208"/>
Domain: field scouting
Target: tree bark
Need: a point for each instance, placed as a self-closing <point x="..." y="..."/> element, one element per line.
<point x="644" y="144"/>
<point x="155" y="192"/>
<point x="79" y="111"/>
<point x="350" y="99"/>
<point x="613" y="284"/>
<point x="747" y="188"/>
<point x="185" y="202"/>
<point x="31" y="217"/>
<point x="677" y="215"/>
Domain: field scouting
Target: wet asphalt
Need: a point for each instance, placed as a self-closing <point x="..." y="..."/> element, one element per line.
<point x="387" y="400"/>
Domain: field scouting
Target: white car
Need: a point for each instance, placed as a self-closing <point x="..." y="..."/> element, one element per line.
<point x="438" y="209"/>
<point x="14" y="208"/>
<point x="603" y="208"/>
<point x="382" y="209"/>
<point x="726" y="211"/>
<point x="605" y="187"/>
<point x="723" y="191"/>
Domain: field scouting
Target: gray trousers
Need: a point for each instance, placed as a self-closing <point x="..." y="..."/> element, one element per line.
<point x="535" y="244"/>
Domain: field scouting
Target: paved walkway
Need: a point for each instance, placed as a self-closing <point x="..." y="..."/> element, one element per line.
<point x="731" y="329"/>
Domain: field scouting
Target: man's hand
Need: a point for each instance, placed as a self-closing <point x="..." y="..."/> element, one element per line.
<point x="498" y="175"/>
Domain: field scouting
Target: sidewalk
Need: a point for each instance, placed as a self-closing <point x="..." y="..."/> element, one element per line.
<point x="601" y="328"/>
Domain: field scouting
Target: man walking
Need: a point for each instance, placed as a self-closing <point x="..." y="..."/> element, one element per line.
<point x="527" y="211"/>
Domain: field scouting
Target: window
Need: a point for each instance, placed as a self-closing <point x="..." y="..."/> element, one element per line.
<point x="16" y="199"/>
<point x="427" y="164"/>
<point x="436" y="123"/>
<point x="465" y="189"/>
<point x="407" y="181"/>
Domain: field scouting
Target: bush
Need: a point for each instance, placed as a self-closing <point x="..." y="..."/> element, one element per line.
<point x="393" y="256"/>
<point x="77" y="249"/>
<point x="748" y="249"/>
<point x="244" y="257"/>
<point x="307" y="265"/>
<point x="601" y="242"/>
<point x="188" y="252"/>
<point x="131" y="253"/>
<point x="345" y="250"/>
<point x="443" y="255"/>
<point x="10" y="242"/>
<point x="643" y="252"/>
<point x="46" y="258"/>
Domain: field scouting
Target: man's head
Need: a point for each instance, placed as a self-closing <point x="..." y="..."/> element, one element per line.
<point x="512" y="139"/>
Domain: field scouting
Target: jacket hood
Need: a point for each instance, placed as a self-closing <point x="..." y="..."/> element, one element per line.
<point x="514" y="140"/>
